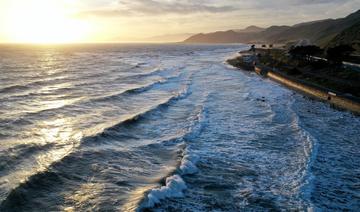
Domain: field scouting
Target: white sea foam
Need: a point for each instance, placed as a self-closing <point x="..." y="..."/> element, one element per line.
<point x="174" y="187"/>
<point x="311" y="152"/>
<point x="188" y="163"/>
<point x="198" y="121"/>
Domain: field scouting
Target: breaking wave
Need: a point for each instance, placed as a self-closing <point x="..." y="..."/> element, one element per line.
<point x="174" y="184"/>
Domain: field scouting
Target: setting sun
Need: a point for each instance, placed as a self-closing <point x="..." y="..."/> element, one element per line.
<point x="43" y="21"/>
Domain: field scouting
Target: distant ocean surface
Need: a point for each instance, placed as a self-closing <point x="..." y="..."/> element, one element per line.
<point x="120" y="127"/>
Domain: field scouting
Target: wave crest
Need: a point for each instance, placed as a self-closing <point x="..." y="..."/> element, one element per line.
<point x="173" y="187"/>
<point x="188" y="163"/>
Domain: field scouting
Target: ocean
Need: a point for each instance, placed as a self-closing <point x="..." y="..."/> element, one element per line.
<point x="135" y="127"/>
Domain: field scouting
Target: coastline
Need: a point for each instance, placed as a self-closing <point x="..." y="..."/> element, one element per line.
<point x="334" y="98"/>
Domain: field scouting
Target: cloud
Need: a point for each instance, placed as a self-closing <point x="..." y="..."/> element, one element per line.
<point x="319" y="1"/>
<point x="157" y="7"/>
<point x="288" y="4"/>
<point x="180" y="8"/>
<point x="149" y="7"/>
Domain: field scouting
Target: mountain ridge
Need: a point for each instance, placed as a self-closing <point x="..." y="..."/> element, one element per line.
<point x="319" y="32"/>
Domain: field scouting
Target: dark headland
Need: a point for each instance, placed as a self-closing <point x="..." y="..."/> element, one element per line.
<point x="323" y="33"/>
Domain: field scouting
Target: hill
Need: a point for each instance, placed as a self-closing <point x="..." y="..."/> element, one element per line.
<point x="318" y="32"/>
<point x="217" y="37"/>
<point x="350" y="36"/>
<point x="170" y="38"/>
<point x="310" y="22"/>
<point x="250" y="29"/>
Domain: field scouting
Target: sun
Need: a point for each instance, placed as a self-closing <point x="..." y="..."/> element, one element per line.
<point x="43" y="21"/>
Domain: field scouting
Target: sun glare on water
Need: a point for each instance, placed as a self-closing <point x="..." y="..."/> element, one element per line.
<point x="43" y="21"/>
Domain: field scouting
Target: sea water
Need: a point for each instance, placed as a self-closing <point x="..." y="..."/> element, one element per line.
<point x="131" y="127"/>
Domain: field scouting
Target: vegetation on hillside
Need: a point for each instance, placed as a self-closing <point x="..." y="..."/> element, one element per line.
<point x="303" y="63"/>
<point x="350" y="36"/>
<point x="324" y="33"/>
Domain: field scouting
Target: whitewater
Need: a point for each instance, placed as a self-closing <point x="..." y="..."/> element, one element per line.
<point x="165" y="127"/>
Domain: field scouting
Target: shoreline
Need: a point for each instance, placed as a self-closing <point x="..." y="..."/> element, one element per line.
<point x="334" y="98"/>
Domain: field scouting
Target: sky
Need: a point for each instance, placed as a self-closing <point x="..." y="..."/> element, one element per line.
<point x="138" y="20"/>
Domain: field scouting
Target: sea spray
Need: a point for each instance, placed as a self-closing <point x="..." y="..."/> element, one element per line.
<point x="311" y="152"/>
<point x="173" y="187"/>
<point x="188" y="163"/>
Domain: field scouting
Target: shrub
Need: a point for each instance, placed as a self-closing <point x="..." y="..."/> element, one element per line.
<point x="338" y="54"/>
<point x="305" y="52"/>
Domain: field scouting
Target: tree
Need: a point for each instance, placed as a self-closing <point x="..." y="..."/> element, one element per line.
<point x="305" y="52"/>
<point x="252" y="48"/>
<point x="337" y="54"/>
<point x="312" y="51"/>
<point x="296" y="52"/>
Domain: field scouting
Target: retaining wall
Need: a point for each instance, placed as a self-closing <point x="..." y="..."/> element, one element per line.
<point x="338" y="100"/>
